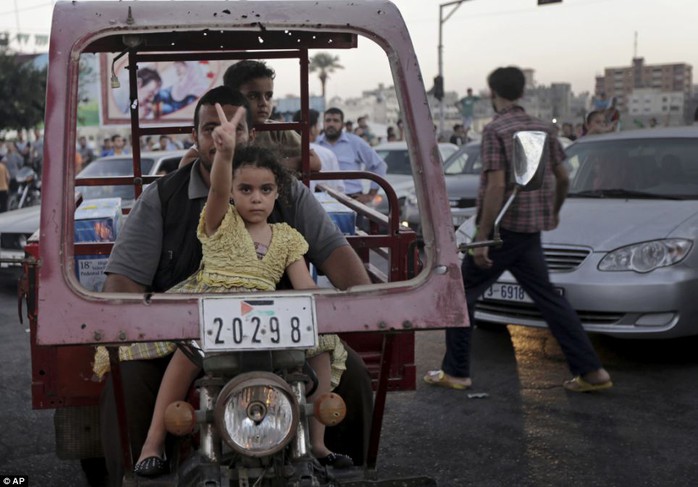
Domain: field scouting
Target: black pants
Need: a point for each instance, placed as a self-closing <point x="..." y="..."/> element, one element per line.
<point x="141" y="379"/>
<point x="522" y="255"/>
<point x="3" y="201"/>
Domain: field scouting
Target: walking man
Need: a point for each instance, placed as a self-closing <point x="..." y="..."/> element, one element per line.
<point x="521" y="253"/>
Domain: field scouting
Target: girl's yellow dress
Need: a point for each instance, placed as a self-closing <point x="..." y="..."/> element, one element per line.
<point x="231" y="264"/>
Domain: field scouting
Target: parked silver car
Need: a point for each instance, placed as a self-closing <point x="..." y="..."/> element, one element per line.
<point x="624" y="253"/>
<point x="462" y="171"/>
<point x="399" y="173"/>
<point x="18" y="225"/>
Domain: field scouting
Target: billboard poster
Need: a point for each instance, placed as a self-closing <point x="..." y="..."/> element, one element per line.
<point x="167" y="91"/>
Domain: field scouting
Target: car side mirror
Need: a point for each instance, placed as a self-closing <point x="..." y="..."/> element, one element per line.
<point x="527" y="173"/>
<point x="530" y="149"/>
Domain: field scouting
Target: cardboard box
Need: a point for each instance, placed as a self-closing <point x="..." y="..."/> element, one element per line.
<point x="96" y="220"/>
<point x="343" y="217"/>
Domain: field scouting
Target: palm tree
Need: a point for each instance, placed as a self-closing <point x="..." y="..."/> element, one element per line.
<point x="325" y="63"/>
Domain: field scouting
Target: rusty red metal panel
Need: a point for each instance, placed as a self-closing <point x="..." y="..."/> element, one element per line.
<point x="61" y="376"/>
<point x="402" y="375"/>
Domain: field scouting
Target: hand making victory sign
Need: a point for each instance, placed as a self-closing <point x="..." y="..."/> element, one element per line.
<point x="224" y="138"/>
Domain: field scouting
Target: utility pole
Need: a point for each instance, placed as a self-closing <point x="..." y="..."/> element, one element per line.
<point x="442" y="19"/>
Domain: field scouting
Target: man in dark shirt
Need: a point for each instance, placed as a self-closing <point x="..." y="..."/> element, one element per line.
<point x="521" y="253"/>
<point x="459" y="136"/>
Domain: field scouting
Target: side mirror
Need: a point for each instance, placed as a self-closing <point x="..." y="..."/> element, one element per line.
<point x="527" y="172"/>
<point x="530" y="149"/>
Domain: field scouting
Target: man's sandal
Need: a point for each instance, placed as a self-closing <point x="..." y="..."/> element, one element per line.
<point x="577" y="384"/>
<point x="439" y="378"/>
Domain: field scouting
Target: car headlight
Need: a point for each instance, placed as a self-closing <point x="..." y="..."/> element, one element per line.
<point x="257" y="414"/>
<point x="377" y="200"/>
<point x="646" y="256"/>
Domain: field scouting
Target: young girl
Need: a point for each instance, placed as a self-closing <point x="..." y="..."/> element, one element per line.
<point x="242" y="253"/>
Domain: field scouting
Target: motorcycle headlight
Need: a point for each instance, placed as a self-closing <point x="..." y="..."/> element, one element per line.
<point x="646" y="256"/>
<point x="256" y="414"/>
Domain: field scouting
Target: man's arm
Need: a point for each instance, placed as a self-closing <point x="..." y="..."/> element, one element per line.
<point x="294" y="164"/>
<point x="289" y="143"/>
<point x="491" y="204"/>
<point x="375" y="164"/>
<point x="562" y="178"/>
<point x="136" y="252"/>
<point x="344" y="268"/>
<point x="116" y="283"/>
<point x="562" y="184"/>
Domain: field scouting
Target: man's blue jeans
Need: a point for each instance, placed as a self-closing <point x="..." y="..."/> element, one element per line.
<point x="522" y="255"/>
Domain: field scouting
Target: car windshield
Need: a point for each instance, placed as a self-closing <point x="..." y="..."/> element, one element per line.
<point x="111" y="168"/>
<point x="634" y="168"/>
<point x="465" y="161"/>
<point x="398" y="161"/>
<point x="447" y="150"/>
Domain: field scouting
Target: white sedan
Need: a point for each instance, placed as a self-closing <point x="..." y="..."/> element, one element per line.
<point x="18" y="225"/>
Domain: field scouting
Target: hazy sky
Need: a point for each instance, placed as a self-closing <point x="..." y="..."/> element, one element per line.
<point x="568" y="42"/>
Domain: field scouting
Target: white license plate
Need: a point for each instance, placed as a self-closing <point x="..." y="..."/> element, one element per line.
<point x="506" y="292"/>
<point x="257" y="323"/>
<point x="510" y="292"/>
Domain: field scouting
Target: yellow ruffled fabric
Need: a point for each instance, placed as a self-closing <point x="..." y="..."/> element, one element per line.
<point x="230" y="259"/>
<point x="229" y="264"/>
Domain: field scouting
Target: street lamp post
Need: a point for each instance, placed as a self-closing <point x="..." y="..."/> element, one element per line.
<point x="455" y="5"/>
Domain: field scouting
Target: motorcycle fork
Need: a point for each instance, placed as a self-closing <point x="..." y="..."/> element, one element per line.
<point x="301" y="443"/>
<point x="210" y="440"/>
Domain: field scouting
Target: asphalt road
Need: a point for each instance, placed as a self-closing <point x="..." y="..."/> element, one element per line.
<point x="527" y="432"/>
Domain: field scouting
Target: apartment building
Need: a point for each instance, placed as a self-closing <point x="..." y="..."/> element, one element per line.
<point x="661" y="79"/>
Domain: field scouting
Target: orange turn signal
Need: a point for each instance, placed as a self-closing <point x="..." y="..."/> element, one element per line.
<point x="329" y="408"/>
<point x="179" y="418"/>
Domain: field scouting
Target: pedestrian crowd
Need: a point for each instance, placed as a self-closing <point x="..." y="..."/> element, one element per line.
<point x="87" y="150"/>
<point x="21" y="161"/>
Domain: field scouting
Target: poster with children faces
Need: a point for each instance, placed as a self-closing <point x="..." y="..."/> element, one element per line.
<point x="167" y="91"/>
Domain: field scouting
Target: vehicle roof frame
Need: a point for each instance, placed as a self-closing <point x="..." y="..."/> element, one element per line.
<point x="433" y="299"/>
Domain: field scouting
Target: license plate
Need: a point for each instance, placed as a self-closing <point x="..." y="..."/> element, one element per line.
<point x="510" y="292"/>
<point x="260" y="323"/>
